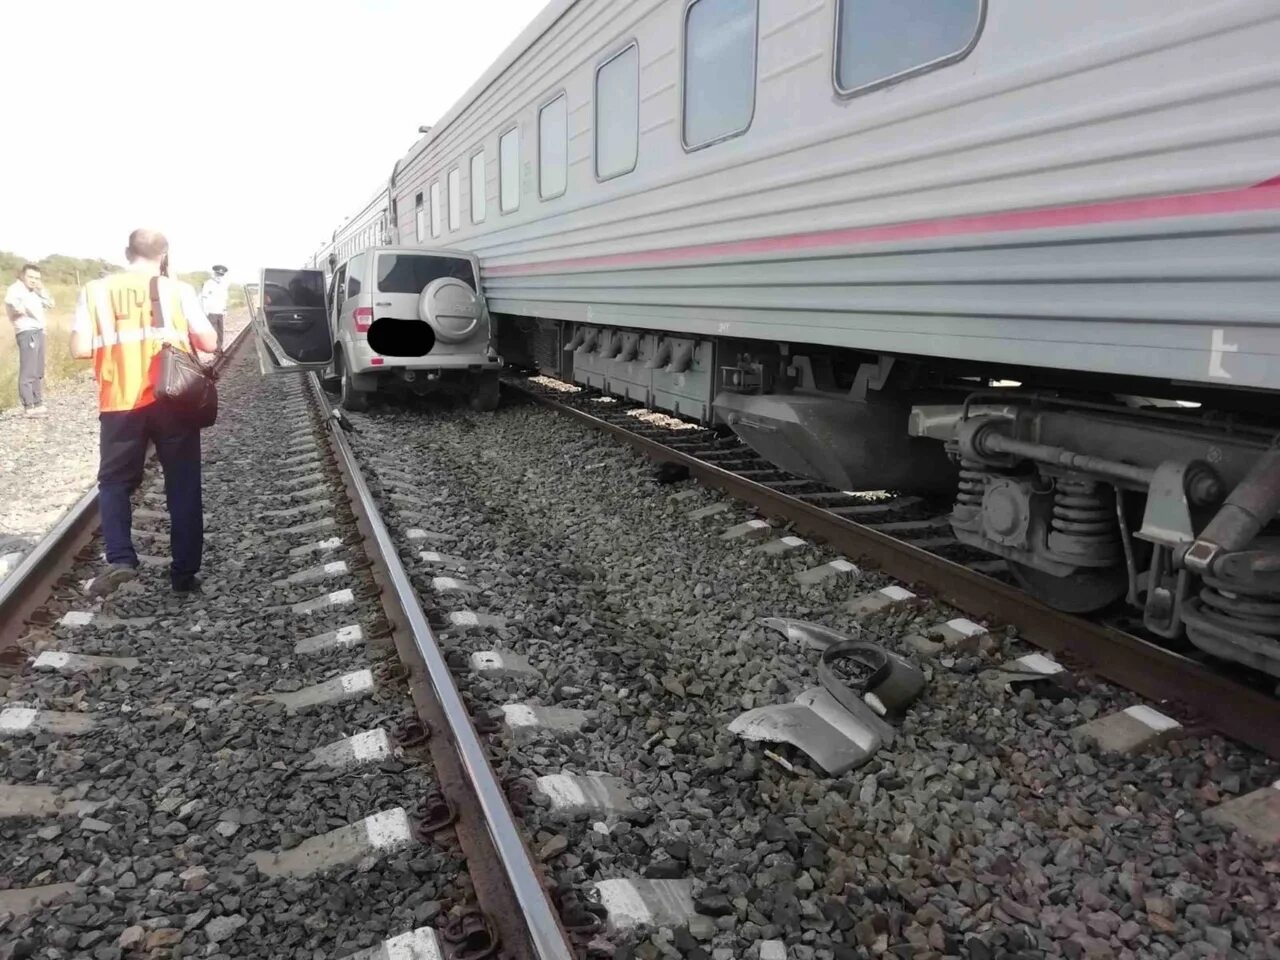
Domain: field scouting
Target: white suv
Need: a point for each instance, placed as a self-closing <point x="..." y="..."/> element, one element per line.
<point x="400" y="318"/>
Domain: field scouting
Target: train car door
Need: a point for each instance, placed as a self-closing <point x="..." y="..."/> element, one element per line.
<point x="292" y="322"/>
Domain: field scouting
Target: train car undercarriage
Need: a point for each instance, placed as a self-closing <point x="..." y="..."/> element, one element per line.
<point x="1092" y="495"/>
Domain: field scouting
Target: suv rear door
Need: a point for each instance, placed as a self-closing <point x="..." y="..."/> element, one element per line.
<point x="402" y="275"/>
<point x="292" y="322"/>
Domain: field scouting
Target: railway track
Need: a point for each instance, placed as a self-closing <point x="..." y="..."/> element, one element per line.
<point x="613" y="631"/>
<point x="278" y="767"/>
<point x="534" y="655"/>
<point x="911" y="541"/>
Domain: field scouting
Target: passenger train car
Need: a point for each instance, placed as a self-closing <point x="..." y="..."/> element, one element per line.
<point x="843" y="228"/>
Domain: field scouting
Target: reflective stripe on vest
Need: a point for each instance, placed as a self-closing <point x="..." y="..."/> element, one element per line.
<point x="128" y="339"/>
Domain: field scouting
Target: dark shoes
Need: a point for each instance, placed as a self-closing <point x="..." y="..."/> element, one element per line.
<point x="105" y="583"/>
<point x="188" y="583"/>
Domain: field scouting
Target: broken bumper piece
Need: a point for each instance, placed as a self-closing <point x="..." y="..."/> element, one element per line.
<point x="838" y="724"/>
<point x="836" y="738"/>
<point x="813" y="635"/>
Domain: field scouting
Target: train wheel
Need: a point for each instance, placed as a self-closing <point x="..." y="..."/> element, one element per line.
<point x="1085" y="591"/>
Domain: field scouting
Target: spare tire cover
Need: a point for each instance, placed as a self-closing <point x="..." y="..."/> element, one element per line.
<point x="451" y="308"/>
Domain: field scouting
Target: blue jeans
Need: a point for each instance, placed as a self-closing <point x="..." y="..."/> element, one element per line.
<point x="123" y="445"/>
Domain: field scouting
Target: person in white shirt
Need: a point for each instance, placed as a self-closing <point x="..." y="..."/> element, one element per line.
<point x="26" y="301"/>
<point x="213" y="299"/>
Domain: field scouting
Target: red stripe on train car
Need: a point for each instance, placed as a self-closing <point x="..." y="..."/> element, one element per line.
<point x="1263" y="196"/>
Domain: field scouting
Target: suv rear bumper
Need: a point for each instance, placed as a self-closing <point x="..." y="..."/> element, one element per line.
<point x="361" y="358"/>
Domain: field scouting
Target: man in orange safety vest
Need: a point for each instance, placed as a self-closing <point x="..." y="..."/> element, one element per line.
<point x="115" y="325"/>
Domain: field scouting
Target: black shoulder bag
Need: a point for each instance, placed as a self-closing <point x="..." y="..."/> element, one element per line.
<point x="184" y="384"/>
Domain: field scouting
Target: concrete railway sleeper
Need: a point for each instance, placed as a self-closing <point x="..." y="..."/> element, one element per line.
<point x="616" y="627"/>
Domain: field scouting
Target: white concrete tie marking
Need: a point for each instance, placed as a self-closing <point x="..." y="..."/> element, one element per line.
<point x="371" y="745"/>
<point x="347" y="636"/>
<point x="340" y="597"/>
<point x="487" y="660"/>
<point x="794" y="541"/>
<point x="624" y="903"/>
<point x="451" y="585"/>
<point x="359" y="682"/>
<point x="337" y="566"/>
<point x="52" y="660"/>
<point x="76" y="618"/>
<point x="966" y="628"/>
<point x="321" y="546"/>
<point x="17" y="719"/>
<point x="464" y="618"/>
<point x="563" y="790"/>
<point x="388" y="829"/>
<point x="1154" y="719"/>
<point x="896" y="593"/>
<point x="418" y="944"/>
<point x="519" y="715"/>
<point x="843" y="566"/>
<point x="1038" y="663"/>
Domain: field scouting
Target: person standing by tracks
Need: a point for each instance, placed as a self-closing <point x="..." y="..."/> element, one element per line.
<point x="116" y="323"/>
<point x="213" y="299"/>
<point x="26" y="301"/>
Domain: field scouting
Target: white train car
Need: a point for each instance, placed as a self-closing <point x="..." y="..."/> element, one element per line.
<point x="370" y="226"/>
<point x="832" y="224"/>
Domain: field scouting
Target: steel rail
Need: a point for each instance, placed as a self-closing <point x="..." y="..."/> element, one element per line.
<point x="1156" y="673"/>
<point x="541" y="922"/>
<point x="23" y="590"/>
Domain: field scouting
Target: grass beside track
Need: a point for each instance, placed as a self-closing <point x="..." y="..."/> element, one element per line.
<point x="59" y="364"/>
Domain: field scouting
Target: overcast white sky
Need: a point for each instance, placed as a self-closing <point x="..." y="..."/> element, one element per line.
<point x="243" y="130"/>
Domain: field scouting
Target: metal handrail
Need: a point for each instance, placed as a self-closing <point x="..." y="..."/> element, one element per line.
<point x="540" y="917"/>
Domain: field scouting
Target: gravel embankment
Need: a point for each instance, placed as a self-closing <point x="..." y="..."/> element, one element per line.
<point x="189" y="769"/>
<point x="48" y="463"/>
<point x="982" y="832"/>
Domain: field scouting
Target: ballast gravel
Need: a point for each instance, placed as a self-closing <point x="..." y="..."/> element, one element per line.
<point x="191" y="766"/>
<point x="982" y="832"/>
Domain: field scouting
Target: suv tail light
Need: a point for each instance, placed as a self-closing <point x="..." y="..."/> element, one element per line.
<point x="364" y="319"/>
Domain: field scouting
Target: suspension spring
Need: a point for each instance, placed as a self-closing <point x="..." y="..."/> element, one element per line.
<point x="1082" y="510"/>
<point x="973" y="483"/>
<point x="1231" y="608"/>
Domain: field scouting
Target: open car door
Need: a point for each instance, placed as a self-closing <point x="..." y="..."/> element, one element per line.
<point x="291" y="319"/>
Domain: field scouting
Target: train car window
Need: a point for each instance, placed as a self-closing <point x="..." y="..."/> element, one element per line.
<point x="509" y="170"/>
<point x="355" y="270"/>
<point x="553" y="148"/>
<point x="618" y="114"/>
<point x="340" y="287"/>
<point x="879" y="42"/>
<point x="477" y="187"/>
<point x="393" y="211"/>
<point x="419" y="218"/>
<point x="719" y="70"/>
<point x="455" y="198"/>
<point x="436" y="218"/>
<point x="411" y="272"/>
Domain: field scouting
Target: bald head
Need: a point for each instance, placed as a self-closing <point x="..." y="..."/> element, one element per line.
<point x="147" y="245"/>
